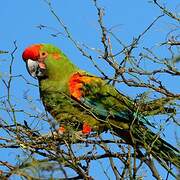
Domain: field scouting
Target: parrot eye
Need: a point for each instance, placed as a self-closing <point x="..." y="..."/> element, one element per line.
<point x="43" y="54"/>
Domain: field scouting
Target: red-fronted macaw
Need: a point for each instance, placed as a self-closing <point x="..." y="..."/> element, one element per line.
<point x="76" y="98"/>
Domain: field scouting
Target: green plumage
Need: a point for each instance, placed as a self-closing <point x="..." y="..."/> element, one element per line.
<point x="101" y="106"/>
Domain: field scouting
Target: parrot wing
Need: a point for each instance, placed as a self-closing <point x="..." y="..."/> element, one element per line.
<point x="103" y="100"/>
<point x="106" y="102"/>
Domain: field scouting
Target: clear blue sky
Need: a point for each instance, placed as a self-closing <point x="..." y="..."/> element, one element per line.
<point x="19" y="20"/>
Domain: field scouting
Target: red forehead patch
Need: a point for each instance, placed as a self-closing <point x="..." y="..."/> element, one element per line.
<point x="31" y="52"/>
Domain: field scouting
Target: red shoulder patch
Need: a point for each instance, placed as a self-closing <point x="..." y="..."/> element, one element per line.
<point x="76" y="83"/>
<point x="75" y="86"/>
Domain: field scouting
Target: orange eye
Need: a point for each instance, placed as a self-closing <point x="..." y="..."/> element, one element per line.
<point x="43" y="54"/>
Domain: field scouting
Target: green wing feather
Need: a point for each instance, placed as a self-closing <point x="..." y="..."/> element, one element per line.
<point x="100" y="105"/>
<point x="123" y="116"/>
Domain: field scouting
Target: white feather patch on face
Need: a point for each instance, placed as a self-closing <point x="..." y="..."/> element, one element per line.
<point x="32" y="67"/>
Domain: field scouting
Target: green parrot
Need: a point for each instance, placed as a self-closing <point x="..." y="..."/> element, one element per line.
<point x="78" y="99"/>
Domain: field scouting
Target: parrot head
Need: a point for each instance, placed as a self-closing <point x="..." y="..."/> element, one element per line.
<point x="35" y="58"/>
<point x="38" y="58"/>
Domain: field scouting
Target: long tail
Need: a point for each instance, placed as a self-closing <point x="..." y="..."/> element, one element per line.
<point x="164" y="152"/>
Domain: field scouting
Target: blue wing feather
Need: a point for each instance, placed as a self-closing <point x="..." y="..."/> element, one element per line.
<point x="99" y="110"/>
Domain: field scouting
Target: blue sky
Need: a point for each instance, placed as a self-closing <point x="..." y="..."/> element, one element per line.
<point x="19" y="20"/>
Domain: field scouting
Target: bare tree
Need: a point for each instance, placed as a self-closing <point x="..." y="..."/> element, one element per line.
<point x="49" y="155"/>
